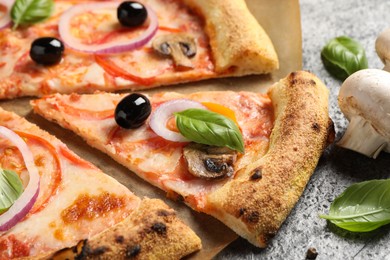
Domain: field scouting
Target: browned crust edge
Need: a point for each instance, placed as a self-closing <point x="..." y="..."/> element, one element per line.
<point x="256" y="203"/>
<point x="259" y="199"/>
<point x="237" y="40"/>
<point x="239" y="46"/>
<point x="153" y="231"/>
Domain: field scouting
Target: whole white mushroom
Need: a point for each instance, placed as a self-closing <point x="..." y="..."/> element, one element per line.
<point x="382" y="47"/>
<point x="364" y="98"/>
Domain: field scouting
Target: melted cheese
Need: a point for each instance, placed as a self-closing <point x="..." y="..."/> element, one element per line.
<point x="153" y="158"/>
<point x="20" y="76"/>
<point x="48" y="226"/>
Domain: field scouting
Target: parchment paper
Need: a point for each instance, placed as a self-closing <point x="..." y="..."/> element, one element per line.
<point x="281" y="20"/>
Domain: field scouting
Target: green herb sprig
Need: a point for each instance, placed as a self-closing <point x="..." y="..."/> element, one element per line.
<point x="343" y="56"/>
<point x="11" y="188"/>
<point x="206" y="127"/>
<point x="30" y="11"/>
<point x="362" y="207"/>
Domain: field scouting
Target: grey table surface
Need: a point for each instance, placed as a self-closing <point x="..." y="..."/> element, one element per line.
<point x="338" y="168"/>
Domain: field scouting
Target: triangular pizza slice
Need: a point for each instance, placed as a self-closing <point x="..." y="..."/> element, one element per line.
<point x="84" y="46"/>
<point x="250" y="157"/>
<point x="69" y="203"/>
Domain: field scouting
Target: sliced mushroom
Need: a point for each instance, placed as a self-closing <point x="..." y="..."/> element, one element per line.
<point x="209" y="162"/>
<point x="181" y="47"/>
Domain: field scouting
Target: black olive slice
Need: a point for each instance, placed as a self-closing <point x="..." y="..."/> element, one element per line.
<point x="47" y="50"/>
<point x="131" y="14"/>
<point x="132" y="111"/>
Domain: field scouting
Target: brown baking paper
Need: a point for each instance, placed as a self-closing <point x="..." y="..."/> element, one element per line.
<point x="281" y="20"/>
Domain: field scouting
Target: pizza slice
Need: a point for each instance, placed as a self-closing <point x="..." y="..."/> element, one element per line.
<point x="69" y="203"/>
<point x="249" y="174"/>
<point x="86" y="46"/>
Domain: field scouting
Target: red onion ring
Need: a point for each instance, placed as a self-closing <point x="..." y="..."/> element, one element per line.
<point x="6" y="21"/>
<point x="25" y="202"/>
<point x="160" y="117"/>
<point x="105" y="48"/>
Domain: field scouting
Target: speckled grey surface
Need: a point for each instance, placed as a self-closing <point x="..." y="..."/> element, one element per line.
<point x="338" y="168"/>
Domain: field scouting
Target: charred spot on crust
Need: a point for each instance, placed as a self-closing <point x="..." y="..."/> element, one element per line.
<point x="98" y="250"/>
<point x="132" y="251"/>
<point x="253" y="217"/>
<point x="331" y="132"/>
<point x="269" y="235"/>
<point x="119" y="239"/>
<point x="316" y="127"/>
<point x="159" y="228"/>
<point x="256" y="174"/>
<point x="295" y="149"/>
<point x="164" y="213"/>
<point x="295" y="78"/>
<point x="87" y="251"/>
<point x="241" y="212"/>
<point x="81" y="249"/>
<point x="65" y="253"/>
<point x="293" y="81"/>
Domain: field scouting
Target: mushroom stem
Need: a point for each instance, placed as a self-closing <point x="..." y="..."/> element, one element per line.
<point x="364" y="98"/>
<point x="362" y="137"/>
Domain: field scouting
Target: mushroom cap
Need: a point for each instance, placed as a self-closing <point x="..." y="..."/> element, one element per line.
<point x="366" y="93"/>
<point x="209" y="162"/>
<point x="382" y="46"/>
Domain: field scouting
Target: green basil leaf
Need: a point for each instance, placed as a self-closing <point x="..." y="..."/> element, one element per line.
<point x="343" y="56"/>
<point x="30" y="11"/>
<point x="362" y="207"/>
<point x="11" y="188"/>
<point x="206" y="127"/>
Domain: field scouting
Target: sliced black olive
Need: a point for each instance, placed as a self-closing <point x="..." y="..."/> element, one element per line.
<point x="132" y="111"/>
<point x="131" y="14"/>
<point x="47" y="51"/>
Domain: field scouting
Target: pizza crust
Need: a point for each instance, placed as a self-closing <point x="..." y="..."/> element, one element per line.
<point x="261" y="195"/>
<point x="146" y="229"/>
<point x="153" y="231"/>
<point x="257" y="202"/>
<point x="238" y="42"/>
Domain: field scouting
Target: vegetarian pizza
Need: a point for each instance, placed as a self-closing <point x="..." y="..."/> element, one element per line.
<point x="241" y="157"/>
<point x="70" y="46"/>
<point x="48" y="211"/>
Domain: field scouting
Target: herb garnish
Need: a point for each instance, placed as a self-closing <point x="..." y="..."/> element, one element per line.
<point x="11" y="188"/>
<point x="30" y="11"/>
<point x="343" y="56"/>
<point x="362" y="207"/>
<point x="210" y="128"/>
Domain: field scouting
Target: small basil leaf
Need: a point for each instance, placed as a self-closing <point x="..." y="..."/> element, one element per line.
<point x="30" y="11"/>
<point x="362" y="207"/>
<point x="206" y="127"/>
<point x="343" y="56"/>
<point x="11" y="188"/>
